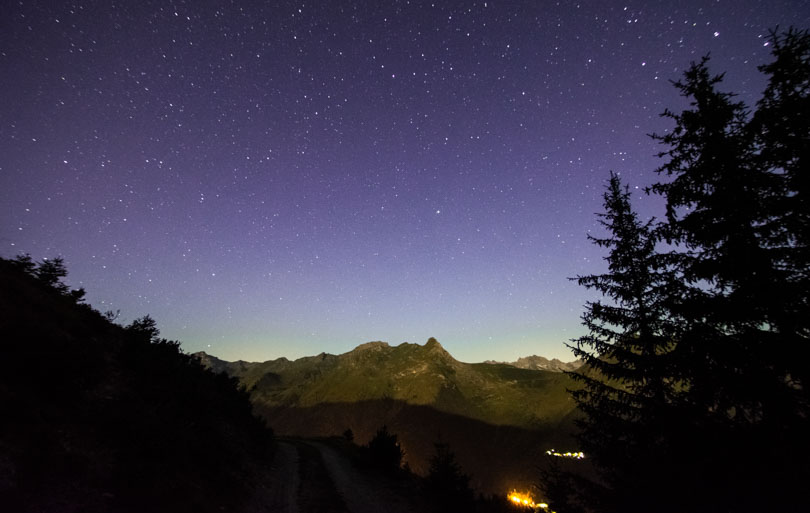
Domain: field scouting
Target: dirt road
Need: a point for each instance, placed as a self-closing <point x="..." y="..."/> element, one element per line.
<point x="363" y="492"/>
<point x="311" y="477"/>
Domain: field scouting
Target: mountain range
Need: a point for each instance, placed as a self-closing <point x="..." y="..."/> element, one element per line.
<point x="499" y="418"/>
<point x="535" y="362"/>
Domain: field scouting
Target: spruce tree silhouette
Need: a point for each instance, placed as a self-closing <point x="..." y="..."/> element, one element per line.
<point x="50" y="272"/>
<point x="384" y="450"/>
<point x="447" y="486"/>
<point x="628" y="389"/>
<point x="348" y="435"/>
<point x="717" y="202"/>
<point x="781" y="128"/>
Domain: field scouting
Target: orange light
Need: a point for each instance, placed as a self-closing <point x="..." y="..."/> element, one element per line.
<point x="522" y="499"/>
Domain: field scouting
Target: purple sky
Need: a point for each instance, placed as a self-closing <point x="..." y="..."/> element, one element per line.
<point x="280" y="179"/>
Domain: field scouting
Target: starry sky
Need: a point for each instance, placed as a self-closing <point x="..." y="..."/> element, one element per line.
<point x="284" y="178"/>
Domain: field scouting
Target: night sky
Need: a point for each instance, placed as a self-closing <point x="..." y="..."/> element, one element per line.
<point x="280" y="179"/>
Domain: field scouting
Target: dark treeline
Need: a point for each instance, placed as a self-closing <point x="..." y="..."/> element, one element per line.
<point x="445" y="487"/>
<point x="696" y="393"/>
<point x="100" y="417"/>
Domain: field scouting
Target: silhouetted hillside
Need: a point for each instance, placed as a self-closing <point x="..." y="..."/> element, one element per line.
<point x="98" y="417"/>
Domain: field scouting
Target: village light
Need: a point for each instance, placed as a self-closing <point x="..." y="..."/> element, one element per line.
<point x="522" y="499"/>
<point x="573" y="455"/>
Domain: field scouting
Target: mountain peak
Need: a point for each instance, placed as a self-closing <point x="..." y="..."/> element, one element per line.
<point x="436" y="352"/>
<point x="432" y="343"/>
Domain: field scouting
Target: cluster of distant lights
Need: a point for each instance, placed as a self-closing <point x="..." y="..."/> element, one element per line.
<point x="573" y="455"/>
<point x="525" y="499"/>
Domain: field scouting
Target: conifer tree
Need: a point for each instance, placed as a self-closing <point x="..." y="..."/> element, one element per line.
<point x="629" y="391"/>
<point x="717" y="214"/>
<point x="385" y="450"/>
<point x="446" y="483"/>
<point x="49" y="272"/>
<point x="781" y="128"/>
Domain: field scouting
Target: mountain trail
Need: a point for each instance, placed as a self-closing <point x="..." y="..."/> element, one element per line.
<point x="362" y="493"/>
<point x="280" y="492"/>
<point x="287" y="461"/>
<point x="317" y="492"/>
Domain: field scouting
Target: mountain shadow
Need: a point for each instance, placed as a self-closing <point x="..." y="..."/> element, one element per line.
<point x="498" y="458"/>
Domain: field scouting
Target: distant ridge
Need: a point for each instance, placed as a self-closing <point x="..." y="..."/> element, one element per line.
<point x="535" y="362"/>
<point x="529" y="393"/>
